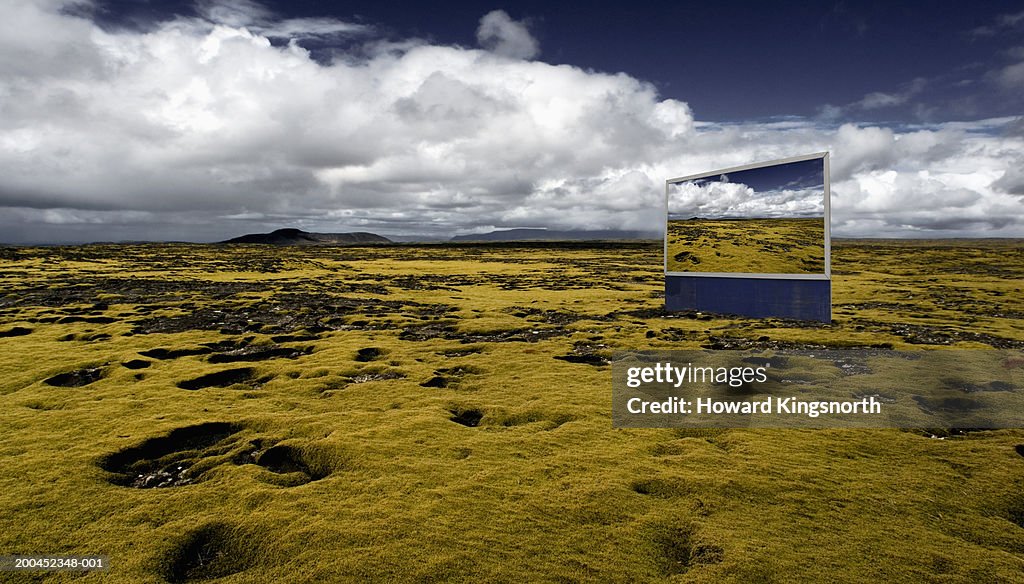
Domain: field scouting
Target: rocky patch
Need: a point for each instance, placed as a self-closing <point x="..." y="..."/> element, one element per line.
<point x="367" y="354"/>
<point x="168" y="461"/>
<point x="469" y="417"/>
<point x="588" y="354"/>
<point x="259" y="353"/>
<point x="449" y="376"/>
<point x="223" y="378"/>
<point x="17" y="331"/>
<point x="76" y="378"/>
<point x="136" y="364"/>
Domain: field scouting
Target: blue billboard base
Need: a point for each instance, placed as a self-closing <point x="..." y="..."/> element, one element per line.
<point x="757" y="297"/>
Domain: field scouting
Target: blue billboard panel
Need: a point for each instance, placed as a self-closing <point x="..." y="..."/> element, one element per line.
<point x="801" y="299"/>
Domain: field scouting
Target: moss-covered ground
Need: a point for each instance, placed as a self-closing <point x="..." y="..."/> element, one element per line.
<point x="753" y="246"/>
<point x="442" y="413"/>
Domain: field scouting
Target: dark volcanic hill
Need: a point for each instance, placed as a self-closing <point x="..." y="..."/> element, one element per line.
<point x="299" y="237"/>
<point x="550" y="235"/>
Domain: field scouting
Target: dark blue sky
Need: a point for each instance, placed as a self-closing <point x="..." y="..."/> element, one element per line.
<point x="806" y="174"/>
<point x="731" y="60"/>
<point x="201" y="120"/>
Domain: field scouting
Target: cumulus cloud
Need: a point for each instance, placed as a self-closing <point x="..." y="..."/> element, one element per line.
<point x="1012" y="181"/>
<point x="715" y="199"/>
<point x="504" y="36"/>
<point x="201" y="129"/>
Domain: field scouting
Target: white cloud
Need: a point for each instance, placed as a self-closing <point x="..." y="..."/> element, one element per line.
<point x="499" y="33"/>
<point x="718" y="199"/>
<point x="1012" y="76"/>
<point x="1011" y="182"/>
<point x="881" y="100"/>
<point x="709" y="199"/>
<point x="237" y="13"/>
<point x="259" y="19"/>
<point x="1002" y="24"/>
<point x="201" y="128"/>
<point x="299" y="28"/>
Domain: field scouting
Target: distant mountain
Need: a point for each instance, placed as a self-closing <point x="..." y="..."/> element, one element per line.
<point x="299" y="237"/>
<point x="551" y="235"/>
<point x="418" y="238"/>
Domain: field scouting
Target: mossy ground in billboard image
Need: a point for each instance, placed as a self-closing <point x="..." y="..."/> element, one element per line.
<point x="442" y="413"/>
<point x="753" y="246"/>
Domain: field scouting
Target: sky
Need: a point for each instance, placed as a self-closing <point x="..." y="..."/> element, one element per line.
<point x="791" y="190"/>
<point x="203" y="120"/>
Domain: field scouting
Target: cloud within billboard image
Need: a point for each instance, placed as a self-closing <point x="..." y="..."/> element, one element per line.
<point x="764" y="220"/>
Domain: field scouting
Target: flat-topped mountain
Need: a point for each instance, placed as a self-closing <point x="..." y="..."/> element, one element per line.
<point x="551" y="235"/>
<point x="299" y="237"/>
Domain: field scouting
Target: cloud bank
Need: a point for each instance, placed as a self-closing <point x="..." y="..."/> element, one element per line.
<point x="715" y="200"/>
<point x="201" y="128"/>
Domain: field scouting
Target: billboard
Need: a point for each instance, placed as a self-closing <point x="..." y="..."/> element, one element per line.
<point x="752" y="223"/>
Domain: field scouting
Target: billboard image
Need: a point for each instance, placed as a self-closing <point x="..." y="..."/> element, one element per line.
<point x="767" y="219"/>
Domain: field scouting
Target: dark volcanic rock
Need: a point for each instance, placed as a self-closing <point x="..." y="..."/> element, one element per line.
<point x="436" y="381"/>
<point x="467" y="417"/>
<point x="258" y="353"/>
<point x="588" y="354"/>
<point x="76" y="378"/>
<point x="298" y="237"/>
<point x="165" y="354"/>
<point x="449" y="376"/>
<point x="286" y="314"/>
<point x="446" y="330"/>
<point x="166" y="461"/>
<point x="369" y="354"/>
<point x="219" y="379"/>
<point x="686" y="256"/>
<point x="367" y="376"/>
<point x="136" y="364"/>
<point x="18" y="331"/>
<point x="592" y="359"/>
